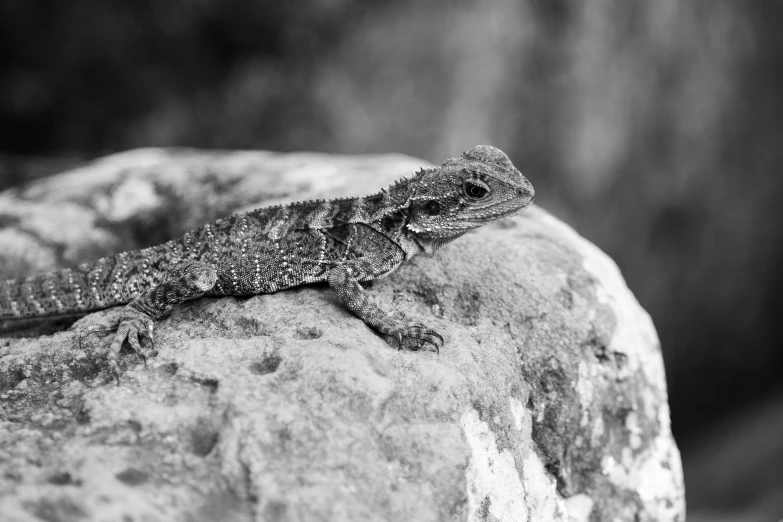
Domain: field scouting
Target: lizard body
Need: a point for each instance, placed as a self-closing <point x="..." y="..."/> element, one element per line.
<point x="340" y="241"/>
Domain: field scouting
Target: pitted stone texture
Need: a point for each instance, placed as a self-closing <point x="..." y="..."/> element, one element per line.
<point x="548" y="401"/>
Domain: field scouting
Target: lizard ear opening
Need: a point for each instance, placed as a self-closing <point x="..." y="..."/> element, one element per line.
<point x="432" y="208"/>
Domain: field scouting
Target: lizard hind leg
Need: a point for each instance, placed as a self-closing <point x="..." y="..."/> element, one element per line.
<point x="189" y="280"/>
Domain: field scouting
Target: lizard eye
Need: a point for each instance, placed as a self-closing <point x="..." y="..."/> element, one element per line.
<point x="432" y="208"/>
<point x="475" y="189"/>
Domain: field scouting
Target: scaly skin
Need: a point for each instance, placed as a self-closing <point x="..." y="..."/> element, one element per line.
<point x="341" y="241"/>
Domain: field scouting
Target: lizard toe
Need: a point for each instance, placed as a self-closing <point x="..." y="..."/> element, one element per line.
<point x="415" y="337"/>
<point x="136" y="328"/>
<point x="114" y="369"/>
<point x="114" y="350"/>
<point x="425" y="336"/>
<point x="141" y="340"/>
<point x="146" y="347"/>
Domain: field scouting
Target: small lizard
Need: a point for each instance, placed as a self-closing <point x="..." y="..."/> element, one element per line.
<point x="341" y="241"/>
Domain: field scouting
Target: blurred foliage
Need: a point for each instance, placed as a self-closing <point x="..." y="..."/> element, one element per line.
<point x="93" y="76"/>
<point x="652" y="127"/>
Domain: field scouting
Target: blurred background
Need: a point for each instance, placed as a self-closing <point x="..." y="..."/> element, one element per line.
<point x="655" y="128"/>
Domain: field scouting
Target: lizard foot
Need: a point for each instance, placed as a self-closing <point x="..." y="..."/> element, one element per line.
<point x="415" y="337"/>
<point x="136" y="327"/>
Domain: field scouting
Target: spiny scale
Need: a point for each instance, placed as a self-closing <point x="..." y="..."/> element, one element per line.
<point x="342" y="241"/>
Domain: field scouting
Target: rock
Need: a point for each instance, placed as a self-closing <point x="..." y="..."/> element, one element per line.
<point x="548" y="401"/>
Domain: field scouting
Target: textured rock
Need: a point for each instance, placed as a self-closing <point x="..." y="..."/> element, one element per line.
<point x="548" y="401"/>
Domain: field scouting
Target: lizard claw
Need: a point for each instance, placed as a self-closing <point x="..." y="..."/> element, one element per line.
<point x="137" y="329"/>
<point x="416" y="336"/>
<point x="426" y="335"/>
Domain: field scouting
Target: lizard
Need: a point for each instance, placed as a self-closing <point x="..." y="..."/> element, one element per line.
<point x="344" y="242"/>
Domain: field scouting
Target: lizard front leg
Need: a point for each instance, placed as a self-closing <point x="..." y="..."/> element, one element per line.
<point x="188" y="281"/>
<point x="361" y="303"/>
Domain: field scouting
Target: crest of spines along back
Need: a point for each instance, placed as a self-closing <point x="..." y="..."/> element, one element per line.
<point x="407" y="182"/>
<point x="398" y="191"/>
<point x="401" y="189"/>
<point x="396" y="196"/>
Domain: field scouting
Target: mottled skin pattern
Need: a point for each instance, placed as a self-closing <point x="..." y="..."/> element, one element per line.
<point x="341" y="241"/>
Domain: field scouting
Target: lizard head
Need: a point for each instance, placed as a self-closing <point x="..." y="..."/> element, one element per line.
<point x="479" y="187"/>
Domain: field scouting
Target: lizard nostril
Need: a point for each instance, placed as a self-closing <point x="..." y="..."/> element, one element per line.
<point x="526" y="194"/>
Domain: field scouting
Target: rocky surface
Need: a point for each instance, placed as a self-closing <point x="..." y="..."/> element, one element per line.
<point x="548" y="401"/>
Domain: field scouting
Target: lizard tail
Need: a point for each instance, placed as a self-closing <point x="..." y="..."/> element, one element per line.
<point x="55" y="293"/>
<point x="109" y="281"/>
<point x="88" y="287"/>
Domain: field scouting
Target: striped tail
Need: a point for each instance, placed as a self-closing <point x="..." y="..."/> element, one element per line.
<point x="109" y="281"/>
<point x="56" y="293"/>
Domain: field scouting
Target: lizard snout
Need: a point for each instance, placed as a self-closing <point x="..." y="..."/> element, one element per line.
<point x="527" y="191"/>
